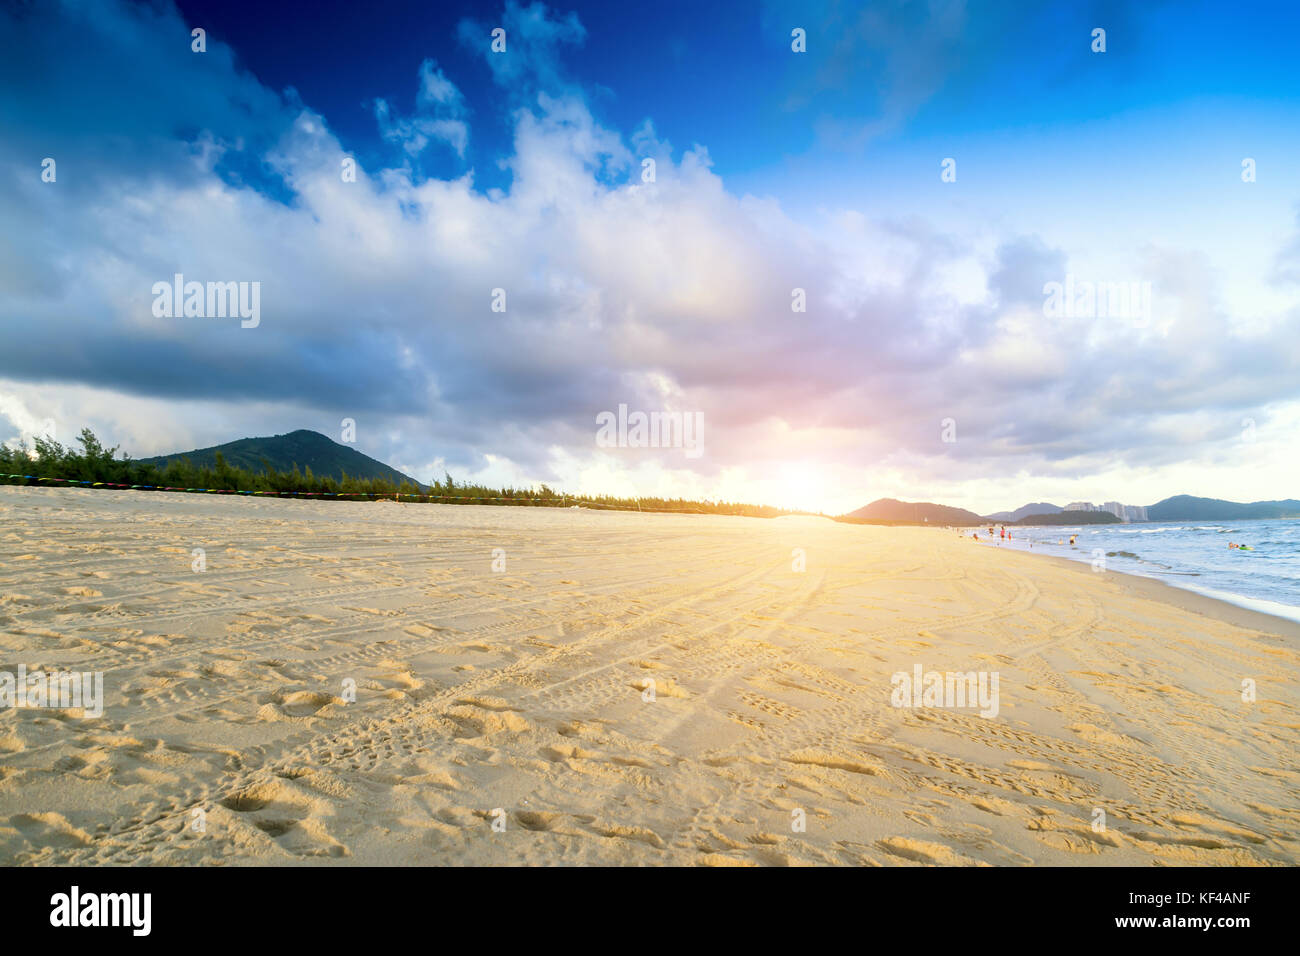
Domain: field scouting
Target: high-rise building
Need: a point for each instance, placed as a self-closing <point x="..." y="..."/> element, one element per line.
<point x="1123" y="512"/>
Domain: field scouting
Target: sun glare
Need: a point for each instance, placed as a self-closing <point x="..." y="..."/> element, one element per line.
<point x="802" y="487"/>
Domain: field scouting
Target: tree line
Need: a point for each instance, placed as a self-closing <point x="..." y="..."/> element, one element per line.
<point x="97" y="465"/>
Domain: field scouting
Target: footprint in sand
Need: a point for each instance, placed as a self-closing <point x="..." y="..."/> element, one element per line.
<point x="287" y="815"/>
<point x="49" y="830"/>
<point x="299" y="705"/>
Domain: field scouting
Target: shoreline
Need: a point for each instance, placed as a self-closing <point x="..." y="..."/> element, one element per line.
<point x="1183" y="598"/>
<point x="1174" y="593"/>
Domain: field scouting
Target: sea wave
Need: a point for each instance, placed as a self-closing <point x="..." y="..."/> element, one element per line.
<point x="1269" y="571"/>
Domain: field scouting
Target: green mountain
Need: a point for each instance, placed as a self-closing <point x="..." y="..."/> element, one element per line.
<point x="892" y="511"/>
<point x="1189" y="508"/>
<point x="303" y="449"/>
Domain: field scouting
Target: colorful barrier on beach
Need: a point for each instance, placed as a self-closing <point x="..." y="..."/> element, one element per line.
<point x="561" y="502"/>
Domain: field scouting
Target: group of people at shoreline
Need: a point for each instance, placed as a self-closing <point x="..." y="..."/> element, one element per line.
<point x="1002" y="534"/>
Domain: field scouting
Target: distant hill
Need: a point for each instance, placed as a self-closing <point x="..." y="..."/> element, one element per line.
<point x="1188" y="508"/>
<point x="1037" y="508"/>
<point x="1178" y="508"/>
<point x="306" y="449"/>
<point x="1071" y="517"/>
<point x="914" y="512"/>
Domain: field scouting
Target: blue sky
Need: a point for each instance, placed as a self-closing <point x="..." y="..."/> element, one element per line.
<point x="818" y="170"/>
<point x="721" y="74"/>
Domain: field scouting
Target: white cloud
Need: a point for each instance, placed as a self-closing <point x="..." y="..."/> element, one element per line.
<point x="439" y="111"/>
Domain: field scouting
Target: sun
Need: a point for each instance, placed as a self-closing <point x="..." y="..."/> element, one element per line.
<point x="802" y="487"/>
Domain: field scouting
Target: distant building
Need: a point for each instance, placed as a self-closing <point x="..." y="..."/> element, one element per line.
<point x="1126" y="512"/>
<point x="1122" y="512"/>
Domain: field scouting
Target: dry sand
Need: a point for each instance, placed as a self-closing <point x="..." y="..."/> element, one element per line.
<point x="521" y="691"/>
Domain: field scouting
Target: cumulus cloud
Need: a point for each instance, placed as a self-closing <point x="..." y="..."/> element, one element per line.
<point x="439" y="117"/>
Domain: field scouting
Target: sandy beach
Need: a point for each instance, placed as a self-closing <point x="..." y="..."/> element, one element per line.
<point x="502" y="713"/>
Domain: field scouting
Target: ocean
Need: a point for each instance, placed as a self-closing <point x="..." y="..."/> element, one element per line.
<point x="1191" y="555"/>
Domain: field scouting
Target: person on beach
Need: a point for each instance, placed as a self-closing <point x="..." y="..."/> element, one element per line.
<point x="1072" y="537"/>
